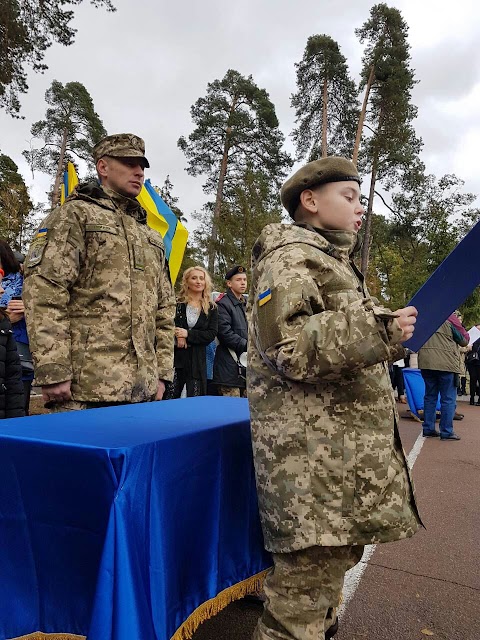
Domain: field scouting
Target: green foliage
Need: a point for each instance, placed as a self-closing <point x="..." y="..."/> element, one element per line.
<point x="17" y="214"/>
<point x="166" y="193"/>
<point x="27" y="29"/>
<point x="247" y="207"/>
<point x="236" y="129"/>
<point x="324" y="64"/>
<point x="238" y="118"/>
<point x="69" y="131"/>
<point x="392" y="144"/>
<point x="427" y="223"/>
<point x="71" y="112"/>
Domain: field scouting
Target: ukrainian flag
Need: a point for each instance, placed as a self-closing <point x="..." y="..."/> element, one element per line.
<point x="70" y="181"/>
<point x="159" y="217"/>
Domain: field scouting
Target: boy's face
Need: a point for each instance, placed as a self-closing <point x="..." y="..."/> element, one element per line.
<point x="334" y="206"/>
<point x="238" y="284"/>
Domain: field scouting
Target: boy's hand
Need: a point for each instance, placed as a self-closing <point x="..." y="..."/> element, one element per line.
<point x="406" y="319"/>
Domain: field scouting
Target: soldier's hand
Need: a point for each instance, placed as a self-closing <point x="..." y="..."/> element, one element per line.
<point x="160" y="390"/>
<point x="58" y="393"/>
<point x="406" y="318"/>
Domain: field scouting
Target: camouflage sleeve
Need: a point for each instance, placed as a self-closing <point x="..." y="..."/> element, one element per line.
<point x="305" y="333"/>
<point x="51" y="268"/>
<point x="165" y="326"/>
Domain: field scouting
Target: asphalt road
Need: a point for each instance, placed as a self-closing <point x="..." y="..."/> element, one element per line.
<point x="424" y="587"/>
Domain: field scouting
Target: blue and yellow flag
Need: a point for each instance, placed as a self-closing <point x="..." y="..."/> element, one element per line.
<point x="159" y="217"/>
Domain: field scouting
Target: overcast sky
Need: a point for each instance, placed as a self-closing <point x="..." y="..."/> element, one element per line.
<point x="146" y="64"/>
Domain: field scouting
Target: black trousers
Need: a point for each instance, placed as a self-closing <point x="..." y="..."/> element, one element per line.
<point x="180" y="379"/>
<point x="474" y="373"/>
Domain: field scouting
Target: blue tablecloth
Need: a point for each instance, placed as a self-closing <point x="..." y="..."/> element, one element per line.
<point x="118" y="523"/>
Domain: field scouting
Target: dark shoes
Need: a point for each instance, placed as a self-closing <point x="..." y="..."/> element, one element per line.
<point x="472" y="402"/>
<point x="458" y="416"/>
<point x="431" y="434"/>
<point x="331" y="631"/>
<point x="453" y="436"/>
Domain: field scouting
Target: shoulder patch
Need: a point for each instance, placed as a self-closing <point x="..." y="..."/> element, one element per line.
<point x="36" y="251"/>
<point x="264" y="297"/>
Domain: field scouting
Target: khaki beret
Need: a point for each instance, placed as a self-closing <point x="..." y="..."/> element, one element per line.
<point x="120" y="145"/>
<point x="313" y="174"/>
<point x="234" y="271"/>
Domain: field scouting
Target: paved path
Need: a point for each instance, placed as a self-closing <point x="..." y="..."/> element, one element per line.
<point x="424" y="587"/>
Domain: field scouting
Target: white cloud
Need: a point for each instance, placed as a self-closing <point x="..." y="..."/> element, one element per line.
<point x="146" y="64"/>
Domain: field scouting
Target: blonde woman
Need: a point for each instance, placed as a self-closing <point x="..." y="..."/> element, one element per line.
<point x="196" y="323"/>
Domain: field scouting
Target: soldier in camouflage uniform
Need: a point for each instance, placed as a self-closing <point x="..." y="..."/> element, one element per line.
<point x="98" y="297"/>
<point x="331" y="471"/>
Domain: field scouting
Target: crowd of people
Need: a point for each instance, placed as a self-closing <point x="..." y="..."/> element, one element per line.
<point x="94" y="303"/>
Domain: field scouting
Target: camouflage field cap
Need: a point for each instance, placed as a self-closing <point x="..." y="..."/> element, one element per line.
<point x="313" y="174"/>
<point x="120" y="145"/>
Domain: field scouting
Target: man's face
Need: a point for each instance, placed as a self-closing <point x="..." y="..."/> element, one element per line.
<point x="123" y="175"/>
<point x="335" y="206"/>
<point x="238" y="284"/>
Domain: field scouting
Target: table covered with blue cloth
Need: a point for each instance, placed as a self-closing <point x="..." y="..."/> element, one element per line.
<point x="128" y="522"/>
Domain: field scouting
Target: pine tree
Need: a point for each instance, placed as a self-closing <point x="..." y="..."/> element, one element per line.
<point x="428" y="218"/>
<point x="17" y="212"/>
<point x="248" y="206"/>
<point x="70" y="130"/>
<point x="387" y="112"/>
<point x="235" y="127"/>
<point x="27" y="29"/>
<point x="325" y="103"/>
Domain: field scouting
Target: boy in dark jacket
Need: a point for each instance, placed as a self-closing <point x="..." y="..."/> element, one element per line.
<point x="228" y="372"/>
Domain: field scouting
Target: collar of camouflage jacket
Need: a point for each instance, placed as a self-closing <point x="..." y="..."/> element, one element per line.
<point x="105" y="197"/>
<point x="338" y="244"/>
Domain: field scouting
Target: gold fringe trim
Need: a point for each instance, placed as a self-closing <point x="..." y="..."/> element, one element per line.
<point x="205" y="611"/>
<point x="212" y="607"/>
<point x="38" y="635"/>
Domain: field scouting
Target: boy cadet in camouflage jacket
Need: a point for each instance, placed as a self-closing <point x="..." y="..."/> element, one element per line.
<point x="331" y="472"/>
<point x="98" y="297"/>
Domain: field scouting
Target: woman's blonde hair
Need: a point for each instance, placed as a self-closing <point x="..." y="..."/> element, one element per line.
<point x="183" y="295"/>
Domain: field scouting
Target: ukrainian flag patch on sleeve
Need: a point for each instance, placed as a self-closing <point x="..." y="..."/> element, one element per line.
<point x="42" y="232"/>
<point x="264" y="297"/>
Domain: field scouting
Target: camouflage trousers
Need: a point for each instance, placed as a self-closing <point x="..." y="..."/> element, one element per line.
<point x="303" y="591"/>
<point x="232" y="392"/>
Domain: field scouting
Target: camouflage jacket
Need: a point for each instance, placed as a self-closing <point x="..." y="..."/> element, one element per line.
<point x="329" y="463"/>
<point x="98" y="299"/>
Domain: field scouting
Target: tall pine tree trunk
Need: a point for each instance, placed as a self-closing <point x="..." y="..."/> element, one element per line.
<point x="58" y="176"/>
<point x="367" y="239"/>
<point x="212" y="247"/>
<point x="219" y="197"/>
<point x="324" y="119"/>
<point x="363" y="112"/>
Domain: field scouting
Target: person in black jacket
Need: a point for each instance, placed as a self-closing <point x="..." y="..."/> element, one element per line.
<point x="11" y="385"/>
<point x="473" y="365"/>
<point x="196" y="322"/>
<point x="228" y="373"/>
